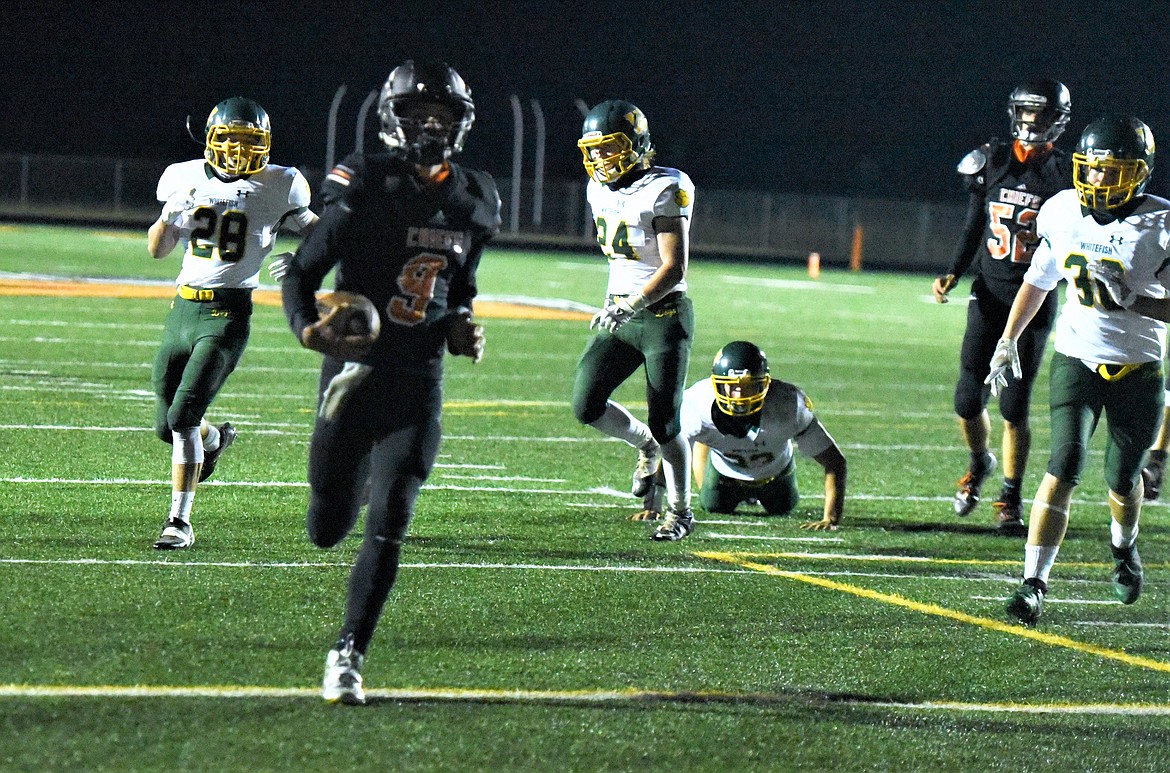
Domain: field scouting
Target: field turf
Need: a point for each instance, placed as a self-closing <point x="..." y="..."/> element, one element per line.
<point x="533" y="626"/>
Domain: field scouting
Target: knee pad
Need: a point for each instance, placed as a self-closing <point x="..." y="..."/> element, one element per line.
<point x="970" y="398"/>
<point x="586" y="411"/>
<point x="187" y="446"/>
<point x="1067" y="462"/>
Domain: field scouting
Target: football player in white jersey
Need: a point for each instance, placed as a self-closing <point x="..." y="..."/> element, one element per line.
<point x="642" y="213"/>
<point x="741" y="424"/>
<point x="225" y="210"/>
<point x="1108" y="358"/>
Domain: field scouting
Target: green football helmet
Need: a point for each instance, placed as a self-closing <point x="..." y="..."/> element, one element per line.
<point x="741" y="379"/>
<point x="238" y="137"/>
<point x="1112" y="162"/>
<point x="615" y="139"/>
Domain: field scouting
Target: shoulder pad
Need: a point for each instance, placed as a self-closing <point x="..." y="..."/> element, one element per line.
<point x="344" y="180"/>
<point x="973" y="161"/>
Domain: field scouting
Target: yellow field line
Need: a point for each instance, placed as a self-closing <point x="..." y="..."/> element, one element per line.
<point x="939" y="611"/>
<point x="906" y="559"/>
<point x="570" y="697"/>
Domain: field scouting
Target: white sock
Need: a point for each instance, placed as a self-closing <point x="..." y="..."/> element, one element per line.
<point x="181" y="502"/>
<point x="1120" y="536"/>
<point x="676" y="459"/>
<point x="619" y="423"/>
<point x="211" y="442"/>
<point x="1038" y="561"/>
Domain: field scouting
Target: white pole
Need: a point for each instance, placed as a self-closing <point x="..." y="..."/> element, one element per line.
<point x="538" y="167"/>
<point x="359" y="141"/>
<point x="517" y="158"/>
<point x="331" y="128"/>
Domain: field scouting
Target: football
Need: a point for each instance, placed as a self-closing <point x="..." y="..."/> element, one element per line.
<point x="355" y="314"/>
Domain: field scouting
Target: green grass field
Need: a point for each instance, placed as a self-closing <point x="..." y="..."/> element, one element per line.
<point x="533" y="627"/>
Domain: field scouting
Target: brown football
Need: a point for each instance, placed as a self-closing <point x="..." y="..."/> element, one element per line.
<point x="356" y="314"/>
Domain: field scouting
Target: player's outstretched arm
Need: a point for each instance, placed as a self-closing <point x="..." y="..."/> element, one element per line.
<point x="833" y="461"/>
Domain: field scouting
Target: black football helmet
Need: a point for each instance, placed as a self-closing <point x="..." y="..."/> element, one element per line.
<point x="741" y="379"/>
<point x="238" y="137"/>
<point x="423" y="139"/>
<point x="1113" y="162"/>
<point x="1051" y="102"/>
<point x="615" y="138"/>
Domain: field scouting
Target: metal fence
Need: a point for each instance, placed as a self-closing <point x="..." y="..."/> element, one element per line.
<point x="752" y="225"/>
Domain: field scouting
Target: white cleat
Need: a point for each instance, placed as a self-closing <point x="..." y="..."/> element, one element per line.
<point x="177" y="534"/>
<point x="343" y="675"/>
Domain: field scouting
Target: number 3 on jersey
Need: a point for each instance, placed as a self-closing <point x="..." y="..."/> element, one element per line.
<point x="617" y="244"/>
<point x="1019" y="242"/>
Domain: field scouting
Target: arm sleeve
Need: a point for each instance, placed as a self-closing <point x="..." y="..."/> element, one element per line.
<point x="973" y="228"/>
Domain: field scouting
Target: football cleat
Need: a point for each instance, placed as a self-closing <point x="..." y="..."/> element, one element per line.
<point x="1008" y="516"/>
<point x="227" y="436"/>
<point x="676" y="526"/>
<point x="967" y="497"/>
<point x="177" y="534"/>
<point x="646" y="471"/>
<point x="1026" y="604"/>
<point x="343" y="674"/>
<point x="1152" y="480"/>
<point x="1127" y="573"/>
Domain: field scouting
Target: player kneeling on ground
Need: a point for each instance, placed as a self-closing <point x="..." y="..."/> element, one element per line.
<point x="742" y="432"/>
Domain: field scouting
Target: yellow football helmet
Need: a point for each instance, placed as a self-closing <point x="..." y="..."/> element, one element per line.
<point x="615" y="139"/>
<point x="238" y="138"/>
<point x="1112" y="162"/>
<point x="741" y="379"/>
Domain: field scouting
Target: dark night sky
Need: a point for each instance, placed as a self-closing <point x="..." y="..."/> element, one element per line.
<point x="817" y="96"/>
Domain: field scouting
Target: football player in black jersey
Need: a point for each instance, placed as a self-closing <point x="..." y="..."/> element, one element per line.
<point x="1007" y="182"/>
<point x="405" y="228"/>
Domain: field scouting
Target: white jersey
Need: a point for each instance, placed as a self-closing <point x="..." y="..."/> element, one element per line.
<point x="1090" y="327"/>
<point x="787" y="415"/>
<point x="230" y="227"/>
<point x="625" y="224"/>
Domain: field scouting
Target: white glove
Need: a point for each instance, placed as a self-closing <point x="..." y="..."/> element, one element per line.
<point x="1006" y="355"/>
<point x="1109" y="274"/>
<point x="278" y="266"/>
<point x="176" y="206"/>
<point x="341" y="387"/>
<point x="618" y="313"/>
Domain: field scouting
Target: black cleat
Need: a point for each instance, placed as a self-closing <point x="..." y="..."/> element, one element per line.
<point x="1127" y="573"/>
<point x="676" y="526"/>
<point x="227" y="436"/>
<point x="1027" y="603"/>
<point x="967" y="497"/>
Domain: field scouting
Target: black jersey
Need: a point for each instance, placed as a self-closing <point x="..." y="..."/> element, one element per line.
<point x="999" y="236"/>
<point x="411" y="248"/>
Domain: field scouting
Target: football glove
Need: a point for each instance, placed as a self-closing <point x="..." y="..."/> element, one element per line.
<point x="1006" y="356"/>
<point x="278" y="266"/>
<point x="1111" y="276"/>
<point x="341" y="387"/>
<point x="176" y="207"/>
<point x="465" y="338"/>
<point x="348" y="327"/>
<point x="942" y="286"/>
<point x="618" y="313"/>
